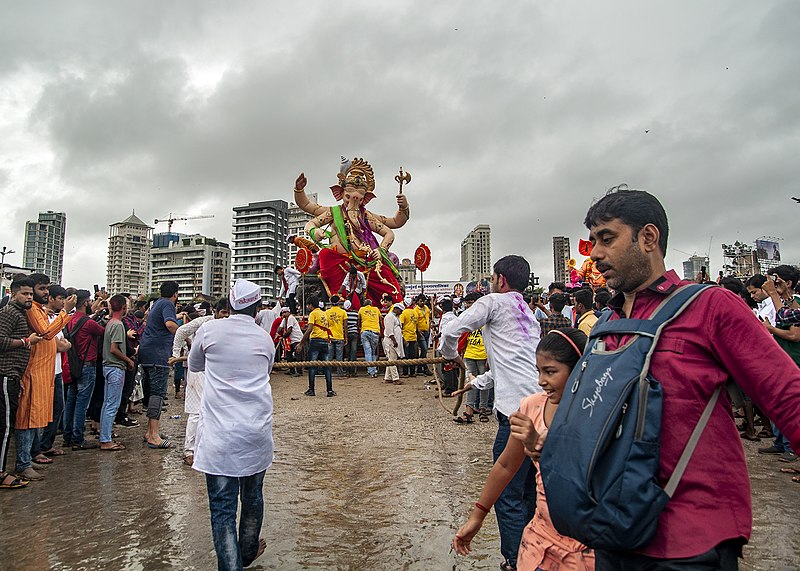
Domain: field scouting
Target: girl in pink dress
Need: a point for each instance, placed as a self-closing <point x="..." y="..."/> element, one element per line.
<point x="542" y="547"/>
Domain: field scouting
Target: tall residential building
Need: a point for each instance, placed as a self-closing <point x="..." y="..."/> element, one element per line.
<point x="199" y="264"/>
<point x="476" y="254"/>
<point x="408" y="271"/>
<point x="297" y="224"/>
<point x="259" y="243"/>
<point x="44" y="244"/>
<point x="560" y="258"/>
<point x="129" y="244"/>
<point x="691" y="267"/>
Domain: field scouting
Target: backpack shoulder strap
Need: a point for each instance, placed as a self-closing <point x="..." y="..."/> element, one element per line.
<point x="71" y="334"/>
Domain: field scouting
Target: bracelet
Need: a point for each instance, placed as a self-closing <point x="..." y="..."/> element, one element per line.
<point x="26" y="343"/>
<point x="299" y="190"/>
<point x="481" y="507"/>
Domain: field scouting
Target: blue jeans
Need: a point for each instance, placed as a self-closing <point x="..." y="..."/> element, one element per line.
<point x="235" y="552"/>
<point x="47" y="438"/>
<point x="352" y="351"/>
<point x="115" y="380"/>
<point x="781" y="442"/>
<point x="477" y="399"/>
<point x="336" y="351"/>
<point x="318" y="350"/>
<point x="78" y="400"/>
<point x="423" y="340"/>
<point x="24" y="443"/>
<point x="369" y="341"/>
<point x="517" y="504"/>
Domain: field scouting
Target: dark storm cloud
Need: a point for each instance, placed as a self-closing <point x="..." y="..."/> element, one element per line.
<point x="513" y="115"/>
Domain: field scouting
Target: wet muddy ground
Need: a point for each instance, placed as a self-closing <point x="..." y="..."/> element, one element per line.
<point x="378" y="477"/>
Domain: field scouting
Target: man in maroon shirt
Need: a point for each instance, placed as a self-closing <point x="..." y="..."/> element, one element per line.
<point x="715" y="340"/>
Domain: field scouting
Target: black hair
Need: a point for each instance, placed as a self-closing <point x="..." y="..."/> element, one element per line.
<point x="556" y="285"/>
<point x="20" y="282"/>
<point x="138" y="314"/>
<point x="313" y="301"/>
<point x="787" y="274"/>
<point x="56" y="290"/>
<point x="250" y="310"/>
<point x="446" y="305"/>
<point x="117" y="302"/>
<point x="140" y="303"/>
<point x="515" y="269"/>
<point x="334" y="299"/>
<point x="474" y="296"/>
<point x="558" y="301"/>
<point x="278" y="268"/>
<point x="601" y="298"/>
<point x="733" y="284"/>
<point x="756" y="280"/>
<point x="222" y="305"/>
<point x="634" y="208"/>
<point x="584" y="297"/>
<point x="168" y="289"/>
<point x="39" y="279"/>
<point x="562" y="350"/>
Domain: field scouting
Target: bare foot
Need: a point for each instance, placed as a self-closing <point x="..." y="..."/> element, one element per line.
<point x="262" y="545"/>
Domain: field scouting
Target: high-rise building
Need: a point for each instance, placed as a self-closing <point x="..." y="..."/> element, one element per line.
<point x="692" y="266"/>
<point x="476" y="254"/>
<point x="199" y="264"/>
<point x="408" y="271"/>
<point x="297" y="224"/>
<point x="44" y="244"/>
<point x="259" y="243"/>
<point x="560" y="258"/>
<point x="129" y="244"/>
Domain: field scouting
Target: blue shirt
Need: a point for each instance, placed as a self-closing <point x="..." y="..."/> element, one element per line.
<point x="156" y="345"/>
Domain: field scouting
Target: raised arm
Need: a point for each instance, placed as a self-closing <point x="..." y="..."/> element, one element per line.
<point x="303" y="201"/>
<point x="401" y="216"/>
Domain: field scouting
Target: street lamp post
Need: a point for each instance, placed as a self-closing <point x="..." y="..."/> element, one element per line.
<point x="3" y="253"/>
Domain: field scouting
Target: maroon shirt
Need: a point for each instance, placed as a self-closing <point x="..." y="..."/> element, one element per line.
<point x="715" y="339"/>
<point x="86" y="339"/>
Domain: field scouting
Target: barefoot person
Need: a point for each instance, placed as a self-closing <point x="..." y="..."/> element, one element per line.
<point x="234" y="435"/>
<point x="542" y="547"/>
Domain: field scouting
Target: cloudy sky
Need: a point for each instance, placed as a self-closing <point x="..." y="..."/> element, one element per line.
<point x="513" y="114"/>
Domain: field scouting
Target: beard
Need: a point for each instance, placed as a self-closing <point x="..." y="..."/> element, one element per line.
<point x="40" y="299"/>
<point x="631" y="272"/>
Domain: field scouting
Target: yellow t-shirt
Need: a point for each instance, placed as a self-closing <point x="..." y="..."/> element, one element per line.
<point x="586" y="322"/>
<point x="423" y="318"/>
<point x="320" y="330"/>
<point x="337" y="317"/>
<point x="370" y="318"/>
<point x="475" y="347"/>
<point x="408" y="321"/>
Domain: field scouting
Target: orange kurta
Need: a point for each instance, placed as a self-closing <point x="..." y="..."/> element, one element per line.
<point x="35" y="409"/>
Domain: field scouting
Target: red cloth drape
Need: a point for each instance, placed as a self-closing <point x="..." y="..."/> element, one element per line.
<point x="333" y="268"/>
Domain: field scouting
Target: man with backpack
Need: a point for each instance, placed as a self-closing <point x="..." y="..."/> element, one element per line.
<point x="682" y="443"/>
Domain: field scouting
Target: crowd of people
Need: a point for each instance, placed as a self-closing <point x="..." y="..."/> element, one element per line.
<point x="69" y="358"/>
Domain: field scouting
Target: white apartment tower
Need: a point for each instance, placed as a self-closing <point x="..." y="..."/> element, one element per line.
<point x="43" y="250"/>
<point x="259" y="243"/>
<point x="476" y="254"/>
<point x="199" y="264"/>
<point x="129" y="244"/>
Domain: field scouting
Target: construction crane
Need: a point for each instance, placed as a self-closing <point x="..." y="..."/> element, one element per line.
<point x="169" y="220"/>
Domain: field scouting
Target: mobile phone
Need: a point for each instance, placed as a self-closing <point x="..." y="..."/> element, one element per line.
<point x="96" y="288"/>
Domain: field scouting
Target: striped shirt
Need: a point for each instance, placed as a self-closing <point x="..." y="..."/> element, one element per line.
<point x="352" y="322"/>
<point x="35" y="409"/>
<point x="13" y="325"/>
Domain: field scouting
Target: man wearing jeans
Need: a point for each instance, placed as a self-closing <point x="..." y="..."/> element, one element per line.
<point x="155" y="350"/>
<point x="84" y="333"/>
<point x="317" y="336"/>
<point x="510" y="335"/>
<point x="236" y="355"/>
<point x="115" y="362"/>
<point x="370" y="327"/>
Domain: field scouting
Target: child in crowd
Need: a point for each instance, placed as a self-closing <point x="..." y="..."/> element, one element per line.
<point x="542" y="547"/>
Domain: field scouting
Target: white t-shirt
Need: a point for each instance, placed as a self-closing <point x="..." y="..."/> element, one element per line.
<point x="60" y="335"/>
<point x="766" y="310"/>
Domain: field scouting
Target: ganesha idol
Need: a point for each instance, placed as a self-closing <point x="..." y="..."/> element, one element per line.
<point x="345" y="234"/>
<point x="589" y="272"/>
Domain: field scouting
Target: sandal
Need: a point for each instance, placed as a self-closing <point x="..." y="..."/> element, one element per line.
<point x="14" y="484"/>
<point x="113" y="448"/>
<point x="188" y="460"/>
<point x="160" y="435"/>
<point x="42" y="459"/>
<point x="506" y="566"/>
<point x="165" y="444"/>
<point x="796" y="479"/>
<point x="465" y="419"/>
<point x="54" y="452"/>
<point x="790" y="470"/>
<point x="483" y="417"/>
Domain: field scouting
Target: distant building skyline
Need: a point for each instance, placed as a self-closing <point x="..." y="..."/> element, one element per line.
<point x="560" y="257"/>
<point x="476" y="253"/>
<point x="259" y="243"/>
<point x="43" y="246"/>
<point x="200" y="265"/>
<point x="129" y="245"/>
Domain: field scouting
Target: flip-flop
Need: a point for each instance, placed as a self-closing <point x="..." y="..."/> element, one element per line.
<point x="796" y="479"/>
<point x="161" y="434"/>
<point x="42" y="459"/>
<point x="54" y="452"/>
<point x="790" y="470"/>
<point x="15" y="483"/>
<point x="163" y="446"/>
<point x="117" y="446"/>
<point x="483" y="417"/>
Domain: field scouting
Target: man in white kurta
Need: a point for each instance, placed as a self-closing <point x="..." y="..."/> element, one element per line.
<point x="393" y="342"/>
<point x="234" y="444"/>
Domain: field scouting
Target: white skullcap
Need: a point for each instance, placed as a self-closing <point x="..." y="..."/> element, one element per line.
<point x="407" y="301"/>
<point x="347" y="305"/>
<point x="282" y="309"/>
<point x="244" y="293"/>
<point x="399" y="305"/>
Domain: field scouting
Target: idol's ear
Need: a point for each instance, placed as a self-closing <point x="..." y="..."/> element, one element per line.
<point x="337" y="191"/>
<point x="367" y="197"/>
